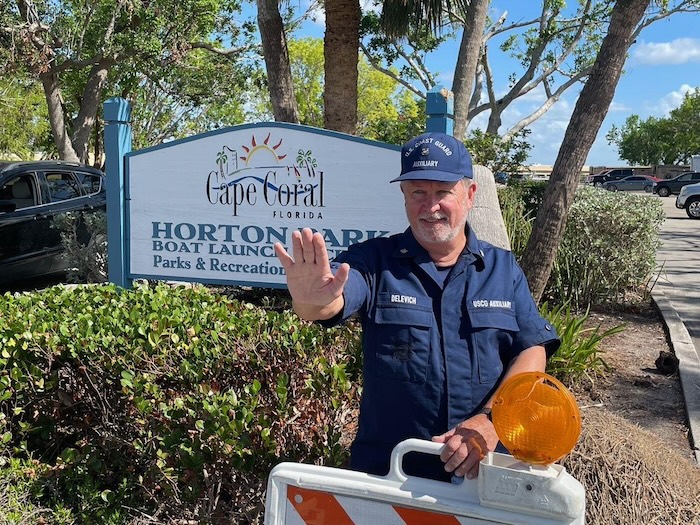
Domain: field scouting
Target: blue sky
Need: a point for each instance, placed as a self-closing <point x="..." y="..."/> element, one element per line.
<point x="663" y="64"/>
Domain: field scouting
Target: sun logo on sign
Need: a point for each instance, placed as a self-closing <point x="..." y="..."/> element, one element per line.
<point x="265" y="155"/>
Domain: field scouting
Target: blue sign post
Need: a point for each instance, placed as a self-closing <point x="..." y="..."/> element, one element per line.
<point x="117" y="113"/>
<point x="439" y="109"/>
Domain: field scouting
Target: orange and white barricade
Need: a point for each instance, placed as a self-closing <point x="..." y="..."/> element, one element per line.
<point x="507" y="491"/>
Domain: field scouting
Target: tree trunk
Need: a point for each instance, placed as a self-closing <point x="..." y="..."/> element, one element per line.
<point x="279" y="73"/>
<point x="467" y="61"/>
<point x="91" y="98"/>
<point x="56" y="118"/>
<point x="340" y="51"/>
<point x="98" y="144"/>
<point x="588" y="115"/>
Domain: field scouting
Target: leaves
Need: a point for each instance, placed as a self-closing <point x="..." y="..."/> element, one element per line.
<point x="661" y="140"/>
<point x="25" y="125"/>
<point x="579" y="353"/>
<point x="165" y="387"/>
<point x="609" y="245"/>
<point x="497" y="154"/>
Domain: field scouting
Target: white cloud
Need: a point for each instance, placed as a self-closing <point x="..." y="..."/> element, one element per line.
<point x="663" y="106"/>
<point x="619" y="108"/>
<point x="445" y="79"/>
<point x="678" y="51"/>
<point x="316" y="13"/>
<point x="370" y="6"/>
<point x="672" y="100"/>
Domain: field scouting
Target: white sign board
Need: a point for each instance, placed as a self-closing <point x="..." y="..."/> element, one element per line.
<point x="209" y="208"/>
<point x="507" y="491"/>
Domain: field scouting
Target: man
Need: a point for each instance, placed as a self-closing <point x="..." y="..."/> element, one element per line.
<point x="445" y="317"/>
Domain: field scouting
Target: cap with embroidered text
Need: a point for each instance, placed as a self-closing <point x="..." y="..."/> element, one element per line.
<point x="435" y="156"/>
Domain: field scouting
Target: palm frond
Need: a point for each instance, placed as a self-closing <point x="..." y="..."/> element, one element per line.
<point x="399" y="16"/>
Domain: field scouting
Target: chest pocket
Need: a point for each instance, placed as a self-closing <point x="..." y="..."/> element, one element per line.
<point x="397" y="340"/>
<point x="493" y="331"/>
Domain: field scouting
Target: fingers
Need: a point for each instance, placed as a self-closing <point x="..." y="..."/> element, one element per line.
<point x="443" y="437"/>
<point x="308" y="247"/>
<point x="470" y="466"/>
<point x="298" y="246"/>
<point x="462" y="454"/>
<point x="320" y="253"/>
<point x="473" y="471"/>
<point x="283" y="256"/>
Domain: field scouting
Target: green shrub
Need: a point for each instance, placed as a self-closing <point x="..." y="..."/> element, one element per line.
<point x="16" y="505"/>
<point x="171" y="398"/>
<point x="608" y="249"/>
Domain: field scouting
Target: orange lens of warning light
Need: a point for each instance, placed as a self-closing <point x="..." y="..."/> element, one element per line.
<point x="536" y="418"/>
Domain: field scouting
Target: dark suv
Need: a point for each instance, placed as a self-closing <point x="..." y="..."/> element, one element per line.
<point x="673" y="186"/>
<point x="608" y="175"/>
<point x="32" y="195"/>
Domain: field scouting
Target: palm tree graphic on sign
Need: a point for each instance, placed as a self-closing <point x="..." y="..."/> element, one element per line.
<point x="221" y="159"/>
<point x="305" y="159"/>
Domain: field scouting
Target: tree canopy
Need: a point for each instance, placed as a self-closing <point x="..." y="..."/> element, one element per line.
<point x="385" y="111"/>
<point x="497" y="154"/>
<point x="24" y="126"/>
<point x="591" y="107"/>
<point x="80" y="54"/>
<point x="552" y="51"/>
<point x="661" y="140"/>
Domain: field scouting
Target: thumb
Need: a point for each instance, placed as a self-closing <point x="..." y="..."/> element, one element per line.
<point x="442" y="438"/>
<point x="340" y="278"/>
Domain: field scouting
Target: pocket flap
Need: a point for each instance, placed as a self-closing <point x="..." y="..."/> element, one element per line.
<point x="404" y="313"/>
<point x="493" y="318"/>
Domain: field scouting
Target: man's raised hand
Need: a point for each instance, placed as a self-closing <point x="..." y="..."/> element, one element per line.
<point x="316" y="292"/>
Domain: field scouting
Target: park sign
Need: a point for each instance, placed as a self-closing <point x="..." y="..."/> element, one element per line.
<point x="209" y="208"/>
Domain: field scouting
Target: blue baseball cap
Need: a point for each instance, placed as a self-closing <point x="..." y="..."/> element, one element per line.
<point x="435" y="156"/>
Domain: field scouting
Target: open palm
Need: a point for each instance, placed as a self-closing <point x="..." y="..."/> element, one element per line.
<point x="309" y="277"/>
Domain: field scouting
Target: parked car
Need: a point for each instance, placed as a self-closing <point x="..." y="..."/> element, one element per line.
<point x="501" y="177"/>
<point x="673" y="186"/>
<point x="604" y="176"/>
<point x="32" y="195"/>
<point x="689" y="198"/>
<point x="631" y="183"/>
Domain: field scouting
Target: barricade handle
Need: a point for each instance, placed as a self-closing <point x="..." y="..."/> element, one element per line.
<point x="396" y="471"/>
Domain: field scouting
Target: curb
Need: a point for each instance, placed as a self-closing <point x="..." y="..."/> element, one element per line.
<point x="688" y="365"/>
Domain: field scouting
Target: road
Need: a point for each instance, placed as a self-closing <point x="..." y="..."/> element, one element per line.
<point x="679" y="258"/>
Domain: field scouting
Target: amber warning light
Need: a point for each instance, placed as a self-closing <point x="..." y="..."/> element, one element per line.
<point x="536" y="418"/>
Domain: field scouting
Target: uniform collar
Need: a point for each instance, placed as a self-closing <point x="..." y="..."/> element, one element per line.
<point x="408" y="247"/>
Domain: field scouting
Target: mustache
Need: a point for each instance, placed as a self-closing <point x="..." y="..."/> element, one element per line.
<point x="432" y="217"/>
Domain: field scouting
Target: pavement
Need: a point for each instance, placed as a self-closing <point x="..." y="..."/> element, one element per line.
<point x="676" y="294"/>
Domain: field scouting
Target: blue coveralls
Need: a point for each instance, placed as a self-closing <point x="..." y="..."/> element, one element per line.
<point x="433" y="351"/>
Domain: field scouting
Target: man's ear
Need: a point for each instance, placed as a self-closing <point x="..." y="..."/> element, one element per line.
<point x="471" y="190"/>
